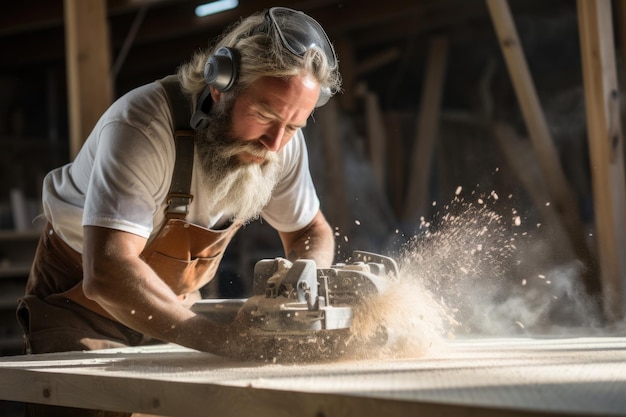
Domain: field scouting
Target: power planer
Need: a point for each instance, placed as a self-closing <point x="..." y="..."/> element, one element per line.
<point x="299" y="311"/>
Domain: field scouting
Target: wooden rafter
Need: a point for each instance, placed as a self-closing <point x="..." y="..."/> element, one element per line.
<point x="606" y="149"/>
<point x="426" y="130"/>
<point x="88" y="67"/>
<point x="559" y="188"/>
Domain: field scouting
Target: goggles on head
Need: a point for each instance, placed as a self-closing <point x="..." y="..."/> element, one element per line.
<point x="299" y="32"/>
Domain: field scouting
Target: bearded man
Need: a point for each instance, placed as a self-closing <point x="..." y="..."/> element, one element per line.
<point x="139" y="221"/>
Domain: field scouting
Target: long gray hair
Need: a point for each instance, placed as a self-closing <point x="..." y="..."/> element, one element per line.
<point x="261" y="54"/>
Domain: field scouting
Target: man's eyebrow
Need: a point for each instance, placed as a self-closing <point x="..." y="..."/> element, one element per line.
<point x="264" y="107"/>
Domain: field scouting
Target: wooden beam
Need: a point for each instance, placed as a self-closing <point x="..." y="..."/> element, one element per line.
<point x="521" y="158"/>
<point x="347" y="66"/>
<point x="426" y="130"/>
<point x="606" y="148"/>
<point x="336" y="206"/>
<point x="537" y="126"/>
<point x="376" y="137"/>
<point x="378" y="60"/>
<point x="621" y="42"/>
<point x="519" y="155"/>
<point x="376" y="134"/>
<point x="88" y="67"/>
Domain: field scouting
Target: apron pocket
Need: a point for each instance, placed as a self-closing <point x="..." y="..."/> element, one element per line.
<point x="183" y="276"/>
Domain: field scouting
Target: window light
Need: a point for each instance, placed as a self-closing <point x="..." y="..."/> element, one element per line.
<point x="215" y="7"/>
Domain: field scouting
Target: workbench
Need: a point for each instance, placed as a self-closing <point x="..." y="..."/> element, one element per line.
<point x="486" y="377"/>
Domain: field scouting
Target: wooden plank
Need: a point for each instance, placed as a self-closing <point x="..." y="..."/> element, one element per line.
<point x="426" y="131"/>
<point x="562" y="195"/>
<point x="487" y="377"/>
<point x="606" y="149"/>
<point x="88" y="67"/>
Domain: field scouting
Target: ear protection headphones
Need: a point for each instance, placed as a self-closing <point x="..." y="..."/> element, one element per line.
<point x="220" y="71"/>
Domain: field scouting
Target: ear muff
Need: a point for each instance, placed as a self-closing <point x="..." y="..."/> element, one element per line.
<point x="221" y="68"/>
<point x="220" y="72"/>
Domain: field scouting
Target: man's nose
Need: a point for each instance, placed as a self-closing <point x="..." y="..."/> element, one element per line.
<point x="273" y="138"/>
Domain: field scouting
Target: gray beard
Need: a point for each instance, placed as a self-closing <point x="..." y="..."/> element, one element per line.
<point x="238" y="190"/>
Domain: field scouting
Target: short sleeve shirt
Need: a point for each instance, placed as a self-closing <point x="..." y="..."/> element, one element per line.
<point x="121" y="176"/>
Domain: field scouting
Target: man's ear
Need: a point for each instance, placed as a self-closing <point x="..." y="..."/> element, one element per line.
<point x="215" y="94"/>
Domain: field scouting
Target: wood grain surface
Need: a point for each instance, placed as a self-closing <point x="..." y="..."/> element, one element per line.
<point x="490" y="377"/>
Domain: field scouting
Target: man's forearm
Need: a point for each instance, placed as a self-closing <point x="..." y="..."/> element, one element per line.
<point x="315" y="242"/>
<point x="124" y="285"/>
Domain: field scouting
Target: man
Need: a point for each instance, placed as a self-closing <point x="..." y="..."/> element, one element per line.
<point x="138" y="222"/>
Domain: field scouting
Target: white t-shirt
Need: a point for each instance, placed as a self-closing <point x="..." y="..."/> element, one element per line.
<point x="121" y="176"/>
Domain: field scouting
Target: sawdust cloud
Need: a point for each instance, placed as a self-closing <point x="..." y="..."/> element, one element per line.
<point x="476" y="268"/>
<point x="414" y="323"/>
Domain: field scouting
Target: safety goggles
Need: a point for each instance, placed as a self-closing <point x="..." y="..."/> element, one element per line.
<point x="299" y="32"/>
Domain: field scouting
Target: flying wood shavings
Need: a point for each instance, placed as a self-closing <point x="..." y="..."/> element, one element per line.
<point x="464" y="247"/>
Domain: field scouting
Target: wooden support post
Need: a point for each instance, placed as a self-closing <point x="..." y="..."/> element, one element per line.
<point x="426" y="131"/>
<point x="606" y="148"/>
<point x="376" y="135"/>
<point x="560" y="190"/>
<point x="396" y="162"/>
<point x="88" y="66"/>
<point x="335" y="184"/>
<point x="347" y="65"/>
<point x="621" y="40"/>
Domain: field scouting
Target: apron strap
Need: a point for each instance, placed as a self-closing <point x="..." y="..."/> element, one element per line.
<point x="179" y="197"/>
<point x="180" y="104"/>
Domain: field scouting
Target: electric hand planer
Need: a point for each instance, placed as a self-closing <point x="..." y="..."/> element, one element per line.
<point x="299" y="311"/>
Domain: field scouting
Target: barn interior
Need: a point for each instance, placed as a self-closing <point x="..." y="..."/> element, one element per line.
<point x="479" y="143"/>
